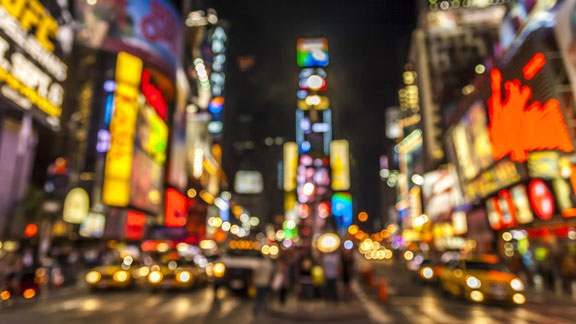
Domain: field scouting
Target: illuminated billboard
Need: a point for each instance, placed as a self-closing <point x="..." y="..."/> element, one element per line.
<point x="76" y="206"/>
<point x="151" y="29"/>
<point x="342" y="210"/>
<point x="340" y="163"/>
<point x="290" y="165"/>
<point x="32" y="72"/>
<point x="248" y="182"/>
<point x="118" y="169"/>
<point x="312" y="52"/>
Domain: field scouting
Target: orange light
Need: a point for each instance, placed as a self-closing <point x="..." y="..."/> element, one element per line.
<point x="220" y="236"/>
<point x="363" y="216"/>
<point x="29" y="293"/>
<point x="517" y="128"/>
<point x="533" y="66"/>
<point x="31" y="230"/>
<point x="353" y="229"/>
<point x="5" y="295"/>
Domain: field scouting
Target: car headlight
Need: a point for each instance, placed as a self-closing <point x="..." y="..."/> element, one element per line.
<point x="427" y="272"/>
<point x="519" y="299"/>
<point x="155" y="277"/>
<point x="120" y="276"/>
<point x="517" y="284"/>
<point x="219" y="270"/>
<point x="473" y="282"/>
<point x="183" y="276"/>
<point x="476" y="296"/>
<point x="93" y="277"/>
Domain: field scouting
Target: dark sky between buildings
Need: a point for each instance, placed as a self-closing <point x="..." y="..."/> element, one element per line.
<point x="368" y="41"/>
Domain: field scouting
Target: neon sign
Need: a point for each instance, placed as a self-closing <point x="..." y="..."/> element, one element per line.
<point x="517" y="127"/>
<point x="176" y="209"/>
<point x="153" y="95"/>
<point x="541" y="199"/>
<point x="135" y="222"/>
<point x="118" y="169"/>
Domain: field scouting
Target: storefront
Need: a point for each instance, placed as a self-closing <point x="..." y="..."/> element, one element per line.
<point x="129" y="53"/>
<point x="514" y="152"/>
<point x="32" y="77"/>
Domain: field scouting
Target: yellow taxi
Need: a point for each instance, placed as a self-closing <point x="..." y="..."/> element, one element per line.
<point x="176" y="275"/>
<point x="114" y="275"/>
<point x="482" y="279"/>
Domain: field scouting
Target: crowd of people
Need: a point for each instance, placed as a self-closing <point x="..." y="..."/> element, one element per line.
<point x="304" y="277"/>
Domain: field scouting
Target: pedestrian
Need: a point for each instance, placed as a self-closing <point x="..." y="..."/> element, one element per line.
<point x="331" y="264"/>
<point x="281" y="280"/>
<point x="261" y="278"/>
<point x="347" y="273"/>
<point x="305" y="279"/>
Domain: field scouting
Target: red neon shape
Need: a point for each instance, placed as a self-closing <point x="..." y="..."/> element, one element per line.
<point x="176" y="209"/>
<point x="541" y="199"/>
<point x="496" y="224"/>
<point x="516" y="128"/>
<point x="509" y="219"/>
<point x="153" y="95"/>
<point x="135" y="222"/>
<point x="533" y="66"/>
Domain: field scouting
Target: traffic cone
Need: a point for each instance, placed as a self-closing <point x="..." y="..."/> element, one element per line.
<point x="383" y="291"/>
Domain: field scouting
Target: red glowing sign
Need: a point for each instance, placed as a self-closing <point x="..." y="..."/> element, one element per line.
<point x="508" y="209"/>
<point x="517" y="128"/>
<point x="324" y="209"/>
<point x="135" y="222"/>
<point x="541" y="199"/>
<point x="304" y="210"/>
<point x="31" y="230"/>
<point x="176" y="209"/>
<point x="153" y="95"/>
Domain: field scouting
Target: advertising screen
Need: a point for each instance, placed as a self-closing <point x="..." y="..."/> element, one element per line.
<point x="340" y="163"/>
<point x="248" y="182"/>
<point x="471" y="142"/>
<point x="312" y="52"/>
<point x="150" y="29"/>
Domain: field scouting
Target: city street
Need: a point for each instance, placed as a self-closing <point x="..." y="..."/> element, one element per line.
<point x="275" y="162"/>
<point x="408" y="302"/>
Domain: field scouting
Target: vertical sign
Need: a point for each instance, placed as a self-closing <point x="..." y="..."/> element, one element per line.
<point x="116" y="191"/>
<point x="290" y="165"/>
<point x="340" y="163"/>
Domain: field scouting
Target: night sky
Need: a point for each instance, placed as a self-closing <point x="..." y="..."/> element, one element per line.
<point x="368" y="43"/>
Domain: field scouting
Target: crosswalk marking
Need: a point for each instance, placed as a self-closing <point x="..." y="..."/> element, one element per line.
<point x="374" y="310"/>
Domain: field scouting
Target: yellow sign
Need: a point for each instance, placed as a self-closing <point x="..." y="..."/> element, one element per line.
<point x="76" y="206"/>
<point x="116" y="191"/>
<point x="543" y="164"/>
<point x="501" y="175"/>
<point x="290" y="165"/>
<point x="31" y="14"/>
<point x="33" y="79"/>
<point x="340" y="163"/>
